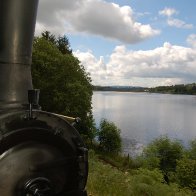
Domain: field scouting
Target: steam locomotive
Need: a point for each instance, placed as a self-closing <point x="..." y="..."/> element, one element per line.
<point x="41" y="153"/>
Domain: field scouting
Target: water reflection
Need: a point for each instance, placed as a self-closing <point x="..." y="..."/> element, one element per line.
<point x="143" y="116"/>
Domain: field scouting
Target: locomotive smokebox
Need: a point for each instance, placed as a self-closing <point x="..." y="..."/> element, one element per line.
<point x="17" y="24"/>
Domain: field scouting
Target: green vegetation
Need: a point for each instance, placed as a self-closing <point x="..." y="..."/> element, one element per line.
<point x="176" y="89"/>
<point x="164" y="168"/>
<point x="162" y="153"/>
<point x="109" y="137"/>
<point x="177" y="164"/>
<point x="105" y="180"/>
<point x="120" y="88"/>
<point x="186" y="173"/>
<point x="65" y="86"/>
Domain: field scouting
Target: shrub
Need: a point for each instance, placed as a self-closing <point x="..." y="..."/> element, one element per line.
<point x="186" y="173"/>
<point x="162" y="153"/>
<point x="109" y="137"/>
<point x="192" y="150"/>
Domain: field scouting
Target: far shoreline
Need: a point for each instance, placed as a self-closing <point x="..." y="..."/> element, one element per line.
<point x="180" y="89"/>
<point x="145" y="92"/>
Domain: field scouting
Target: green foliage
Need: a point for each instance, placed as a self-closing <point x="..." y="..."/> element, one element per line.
<point x="65" y="86"/>
<point x="63" y="45"/>
<point x="149" y="182"/>
<point x="149" y="176"/>
<point x="116" y="160"/>
<point x="192" y="150"/>
<point x="49" y="37"/>
<point x="186" y="172"/>
<point x="186" y="167"/>
<point x="176" y="89"/>
<point x="109" y="137"/>
<point x="162" y="153"/>
<point x="62" y="42"/>
<point x="105" y="180"/>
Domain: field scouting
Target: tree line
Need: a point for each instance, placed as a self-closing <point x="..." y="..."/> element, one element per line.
<point x="120" y="88"/>
<point x="175" y="89"/>
<point x="189" y="89"/>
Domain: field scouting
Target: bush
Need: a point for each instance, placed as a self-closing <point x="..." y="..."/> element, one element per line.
<point x="192" y="150"/>
<point x="109" y="137"/>
<point x="163" y="153"/>
<point x="186" y="167"/>
<point x="186" y="173"/>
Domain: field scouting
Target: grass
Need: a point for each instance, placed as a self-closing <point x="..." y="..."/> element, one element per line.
<point x="108" y="180"/>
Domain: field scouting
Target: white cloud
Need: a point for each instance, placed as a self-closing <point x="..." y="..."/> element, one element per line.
<point x="96" y="67"/>
<point x="168" y="12"/>
<point x="166" y="65"/>
<point x="96" y="17"/>
<point x="179" y="23"/>
<point x="174" y="22"/>
<point x="191" y="40"/>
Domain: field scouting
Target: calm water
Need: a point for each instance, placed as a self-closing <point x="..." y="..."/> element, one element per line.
<point x="143" y="116"/>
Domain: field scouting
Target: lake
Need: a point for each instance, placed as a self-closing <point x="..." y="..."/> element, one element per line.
<point x="144" y="116"/>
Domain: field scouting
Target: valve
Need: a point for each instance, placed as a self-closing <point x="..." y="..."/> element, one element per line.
<point x="39" y="186"/>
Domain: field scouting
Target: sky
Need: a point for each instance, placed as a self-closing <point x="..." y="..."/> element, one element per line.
<point x="127" y="42"/>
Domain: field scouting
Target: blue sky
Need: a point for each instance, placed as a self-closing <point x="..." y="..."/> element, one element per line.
<point x="137" y="42"/>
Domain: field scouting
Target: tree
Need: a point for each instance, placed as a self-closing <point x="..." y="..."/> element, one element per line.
<point x="186" y="172"/>
<point x="48" y="36"/>
<point x="65" y="86"/>
<point x="163" y="153"/>
<point x="62" y="42"/>
<point x="63" y="45"/>
<point x="192" y="150"/>
<point x="109" y="137"/>
<point x="186" y="167"/>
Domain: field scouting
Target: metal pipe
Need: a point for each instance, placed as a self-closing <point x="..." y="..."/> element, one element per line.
<point x="17" y="25"/>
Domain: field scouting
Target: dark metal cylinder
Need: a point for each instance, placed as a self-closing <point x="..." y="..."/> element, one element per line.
<point x="17" y="25"/>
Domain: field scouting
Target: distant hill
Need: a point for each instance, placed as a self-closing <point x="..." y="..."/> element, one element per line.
<point x="120" y="88"/>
